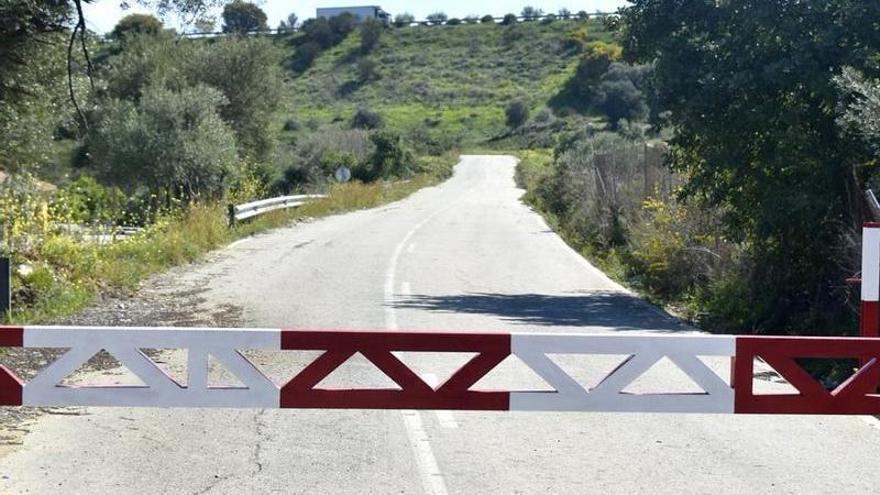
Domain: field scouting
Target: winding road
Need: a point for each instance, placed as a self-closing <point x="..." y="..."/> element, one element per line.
<point x="465" y="255"/>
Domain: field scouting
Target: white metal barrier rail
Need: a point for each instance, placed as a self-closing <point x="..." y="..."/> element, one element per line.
<point x="858" y="395"/>
<point x="255" y="208"/>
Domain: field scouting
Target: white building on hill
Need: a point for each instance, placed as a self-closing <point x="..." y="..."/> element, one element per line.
<point x="360" y="13"/>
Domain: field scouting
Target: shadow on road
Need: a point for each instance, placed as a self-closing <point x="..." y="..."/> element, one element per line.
<point x="595" y="309"/>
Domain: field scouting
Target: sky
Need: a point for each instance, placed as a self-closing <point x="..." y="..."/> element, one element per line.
<point x="102" y="15"/>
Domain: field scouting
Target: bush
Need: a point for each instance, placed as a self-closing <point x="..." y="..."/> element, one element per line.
<point x="471" y="19"/>
<point x="548" y="19"/>
<point x="390" y="159"/>
<point x="487" y="19"/>
<point x="243" y="17"/>
<point x="437" y="18"/>
<point x="619" y="100"/>
<point x="583" y="15"/>
<point x="342" y="25"/>
<point x="404" y="20"/>
<point x="564" y="14"/>
<point x="319" y="31"/>
<point x="305" y="56"/>
<point x="509" y="20"/>
<point x="365" y="119"/>
<point x="247" y="73"/>
<point x="367" y="70"/>
<point x="453" y="22"/>
<point x="171" y="142"/>
<point x="517" y="114"/>
<point x="371" y="32"/>
<point x="134" y="24"/>
<point x="530" y="13"/>
<point x="291" y="125"/>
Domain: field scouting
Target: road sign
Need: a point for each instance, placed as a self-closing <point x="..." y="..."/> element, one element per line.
<point x="343" y="174"/>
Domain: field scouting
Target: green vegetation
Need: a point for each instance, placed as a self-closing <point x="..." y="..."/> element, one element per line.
<point x="453" y="94"/>
<point x="749" y="221"/>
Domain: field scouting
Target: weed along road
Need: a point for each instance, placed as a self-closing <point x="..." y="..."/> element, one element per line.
<point x="464" y="256"/>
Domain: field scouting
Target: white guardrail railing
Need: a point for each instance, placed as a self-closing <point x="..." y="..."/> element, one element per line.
<point x="238" y="213"/>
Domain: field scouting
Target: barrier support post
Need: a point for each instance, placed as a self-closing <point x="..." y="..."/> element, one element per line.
<point x="5" y="286"/>
<point x="869" y="321"/>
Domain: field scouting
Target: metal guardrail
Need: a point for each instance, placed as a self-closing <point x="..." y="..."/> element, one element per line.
<point x="245" y="211"/>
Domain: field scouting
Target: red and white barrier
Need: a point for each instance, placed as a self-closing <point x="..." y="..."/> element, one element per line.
<point x="855" y="396"/>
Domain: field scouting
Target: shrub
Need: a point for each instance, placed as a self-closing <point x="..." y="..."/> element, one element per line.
<point x="365" y="119"/>
<point x="619" y="100"/>
<point x="509" y="20"/>
<point x="367" y="70"/>
<point x="171" y="142"/>
<point x="517" y="114"/>
<point x="404" y="20"/>
<point x="437" y="18"/>
<point x="530" y="13"/>
<point x="453" y="22"/>
<point x="548" y="19"/>
<point x="247" y="73"/>
<point x="319" y="31"/>
<point x="487" y="19"/>
<point x="389" y="159"/>
<point x="371" y="32"/>
<point x="471" y="19"/>
<point x="291" y="125"/>
<point x="243" y="17"/>
<point x="133" y="24"/>
<point x="564" y="14"/>
<point x="305" y="56"/>
<point x="342" y="25"/>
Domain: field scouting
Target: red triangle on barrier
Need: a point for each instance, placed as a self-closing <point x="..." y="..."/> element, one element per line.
<point x="11" y="388"/>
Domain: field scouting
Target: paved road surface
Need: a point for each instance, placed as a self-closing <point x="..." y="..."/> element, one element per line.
<point x="466" y="255"/>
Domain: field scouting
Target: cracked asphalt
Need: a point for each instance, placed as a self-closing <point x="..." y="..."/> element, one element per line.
<point x="466" y="255"/>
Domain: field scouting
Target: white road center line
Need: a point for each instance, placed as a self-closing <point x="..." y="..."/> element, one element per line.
<point x="445" y="418"/>
<point x="432" y="480"/>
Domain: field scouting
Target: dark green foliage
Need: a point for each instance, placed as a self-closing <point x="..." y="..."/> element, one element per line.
<point x="404" y="20"/>
<point x="288" y="25"/>
<point x="243" y="17"/>
<point x="366" y="119"/>
<point x="453" y="22"/>
<point x="549" y="19"/>
<point x="437" y="18"/>
<point x="619" y="95"/>
<point x="136" y="24"/>
<point x="305" y="56"/>
<point x="583" y="15"/>
<point x="530" y="13"/>
<point x="759" y="140"/>
<point x="564" y="14"/>
<point x="171" y="142"/>
<point x="471" y="19"/>
<point x="342" y="25"/>
<point x="390" y="159"/>
<point x="487" y="19"/>
<point x="517" y="113"/>
<point x="291" y="125"/>
<point x="246" y="71"/>
<point x="509" y="20"/>
<point x="367" y="70"/>
<point x="319" y="31"/>
<point x="371" y="32"/>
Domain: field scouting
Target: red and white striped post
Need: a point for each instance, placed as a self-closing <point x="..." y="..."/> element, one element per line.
<point x="870" y="308"/>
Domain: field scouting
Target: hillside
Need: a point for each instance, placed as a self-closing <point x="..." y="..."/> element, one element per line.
<point x="446" y="84"/>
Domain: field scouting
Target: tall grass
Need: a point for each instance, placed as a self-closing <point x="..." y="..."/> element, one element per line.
<point x="64" y="274"/>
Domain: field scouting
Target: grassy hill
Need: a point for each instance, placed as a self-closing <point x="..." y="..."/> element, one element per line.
<point x="445" y="85"/>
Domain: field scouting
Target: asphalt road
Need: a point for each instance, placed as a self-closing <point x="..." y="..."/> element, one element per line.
<point x="466" y="255"/>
